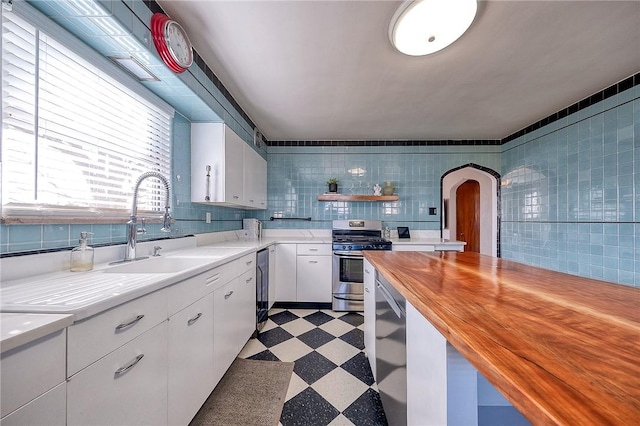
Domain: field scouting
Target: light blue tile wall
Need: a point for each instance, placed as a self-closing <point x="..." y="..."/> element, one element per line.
<point x="296" y="175"/>
<point x="571" y="191"/>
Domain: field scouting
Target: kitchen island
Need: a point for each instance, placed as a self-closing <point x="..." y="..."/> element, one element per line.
<point x="562" y="349"/>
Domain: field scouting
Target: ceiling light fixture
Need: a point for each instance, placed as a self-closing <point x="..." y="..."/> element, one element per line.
<point x="422" y="27"/>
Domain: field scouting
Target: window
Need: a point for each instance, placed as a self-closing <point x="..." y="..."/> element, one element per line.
<point x="74" y="140"/>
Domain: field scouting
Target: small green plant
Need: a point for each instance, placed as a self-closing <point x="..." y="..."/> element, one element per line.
<point x="332" y="181"/>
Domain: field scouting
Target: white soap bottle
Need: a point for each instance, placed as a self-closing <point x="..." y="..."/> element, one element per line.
<point x="82" y="256"/>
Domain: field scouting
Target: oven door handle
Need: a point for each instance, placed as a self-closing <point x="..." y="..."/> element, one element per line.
<point x="349" y="254"/>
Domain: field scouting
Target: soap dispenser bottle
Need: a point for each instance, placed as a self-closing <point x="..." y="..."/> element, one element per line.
<point x="82" y="256"/>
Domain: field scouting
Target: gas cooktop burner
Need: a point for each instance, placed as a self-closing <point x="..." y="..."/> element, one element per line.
<point x="358" y="235"/>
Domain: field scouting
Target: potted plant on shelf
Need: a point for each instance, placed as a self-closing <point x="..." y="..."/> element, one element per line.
<point x="333" y="185"/>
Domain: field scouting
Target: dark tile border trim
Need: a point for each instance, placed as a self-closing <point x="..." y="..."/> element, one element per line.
<point x="56" y="249"/>
<point x="199" y="62"/>
<point x="450" y="142"/>
<point x="610" y="91"/>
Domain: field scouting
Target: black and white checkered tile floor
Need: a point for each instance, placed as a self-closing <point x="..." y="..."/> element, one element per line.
<point x="332" y="382"/>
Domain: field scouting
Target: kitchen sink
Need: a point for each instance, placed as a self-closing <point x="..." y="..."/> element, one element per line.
<point x="159" y="265"/>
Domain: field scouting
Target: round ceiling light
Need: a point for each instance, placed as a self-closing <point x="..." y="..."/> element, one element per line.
<point x="422" y="27"/>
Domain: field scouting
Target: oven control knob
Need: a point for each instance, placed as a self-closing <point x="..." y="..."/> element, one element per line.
<point x="350" y="247"/>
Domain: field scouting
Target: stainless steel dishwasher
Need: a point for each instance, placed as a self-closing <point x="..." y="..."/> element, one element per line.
<point x="391" y="351"/>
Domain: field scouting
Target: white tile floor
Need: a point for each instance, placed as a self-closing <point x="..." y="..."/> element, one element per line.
<point x="332" y="383"/>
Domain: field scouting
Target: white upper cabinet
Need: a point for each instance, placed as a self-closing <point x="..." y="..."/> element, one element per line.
<point x="224" y="169"/>
<point x="255" y="179"/>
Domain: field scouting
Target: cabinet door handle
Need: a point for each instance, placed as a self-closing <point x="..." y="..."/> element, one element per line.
<point x="235" y="197"/>
<point x="367" y="290"/>
<point x="228" y="295"/>
<point x="313" y="261"/>
<point x="130" y="323"/>
<point x="366" y="271"/>
<point x="120" y="371"/>
<point x="248" y="280"/>
<point x="194" y="319"/>
<point x="249" y="262"/>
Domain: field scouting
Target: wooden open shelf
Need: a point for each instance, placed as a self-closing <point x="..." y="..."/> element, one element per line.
<point x="343" y="197"/>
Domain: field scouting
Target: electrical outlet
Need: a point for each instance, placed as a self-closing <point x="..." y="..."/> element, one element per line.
<point x="208" y="217"/>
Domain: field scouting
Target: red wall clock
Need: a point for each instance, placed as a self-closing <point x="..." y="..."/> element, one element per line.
<point x="172" y="43"/>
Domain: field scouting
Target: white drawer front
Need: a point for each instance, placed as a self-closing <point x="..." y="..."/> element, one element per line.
<point x="30" y="370"/>
<point x="95" y="337"/>
<point x="49" y="409"/>
<point x="184" y="293"/>
<point x="100" y="395"/>
<point x="246" y="263"/>
<point x="314" y="249"/>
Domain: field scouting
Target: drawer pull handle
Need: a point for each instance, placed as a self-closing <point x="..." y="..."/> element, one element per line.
<point x="248" y="280"/>
<point x="313" y="249"/>
<point x="194" y="319"/>
<point x="249" y="262"/>
<point x="366" y="271"/>
<point x="235" y="197"/>
<point x="367" y="290"/>
<point x="313" y="261"/>
<point x="130" y="323"/>
<point x="120" y="371"/>
<point x="228" y="295"/>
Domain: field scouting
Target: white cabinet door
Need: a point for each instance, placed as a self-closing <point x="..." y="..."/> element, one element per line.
<point x="190" y="360"/>
<point x="31" y="370"/>
<point x="370" y="314"/>
<point x="126" y="387"/>
<point x="245" y="308"/>
<point x="92" y="338"/>
<point x="49" y="409"/>
<point x="255" y="179"/>
<point x="313" y="279"/>
<point x="272" y="275"/>
<point x="225" y="329"/>
<point x="234" y="168"/>
<point x="286" y="273"/>
<point x="216" y="146"/>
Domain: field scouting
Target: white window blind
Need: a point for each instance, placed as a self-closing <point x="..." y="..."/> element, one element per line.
<point x="74" y="140"/>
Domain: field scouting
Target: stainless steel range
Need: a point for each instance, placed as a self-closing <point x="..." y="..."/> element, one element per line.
<point x="350" y="238"/>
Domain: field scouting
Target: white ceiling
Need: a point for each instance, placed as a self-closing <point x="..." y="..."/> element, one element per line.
<point x="325" y="70"/>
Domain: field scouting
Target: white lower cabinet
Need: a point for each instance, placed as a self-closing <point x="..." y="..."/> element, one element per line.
<point x="286" y="273"/>
<point x="370" y="315"/>
<point x="303" y="273"/>
<point x="190" y="360"/>
<point x="126" y="387"/>
<point x="313" y="277"/>
<point x="49" y="409"/>
<point x="234" y="320"/>
<point x="32" y="382"/>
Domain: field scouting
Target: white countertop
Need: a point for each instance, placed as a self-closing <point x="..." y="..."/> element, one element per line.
<point x="426" y="241"/>
<point x="71" y="296"/>
<point x="18" y="329"/>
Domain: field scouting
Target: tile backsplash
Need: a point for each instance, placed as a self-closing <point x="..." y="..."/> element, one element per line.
<point x="571" y="193"/>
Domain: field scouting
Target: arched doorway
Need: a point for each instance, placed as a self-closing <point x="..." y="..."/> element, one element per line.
<point x="488" y="212"/>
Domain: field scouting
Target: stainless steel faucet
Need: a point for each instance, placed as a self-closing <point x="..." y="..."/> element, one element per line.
<point x="132" y="224"/>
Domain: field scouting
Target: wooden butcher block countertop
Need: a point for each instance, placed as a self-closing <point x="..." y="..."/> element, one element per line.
<point x="562" y="349"/>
